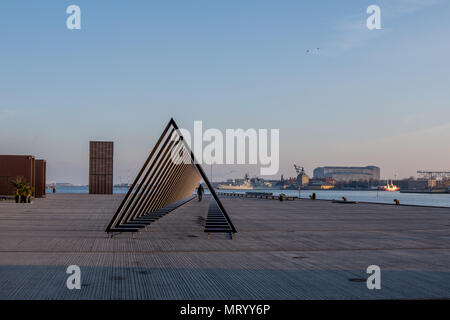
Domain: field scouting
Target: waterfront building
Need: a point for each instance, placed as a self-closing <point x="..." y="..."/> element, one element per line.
<point x="302" y="179"/>
<point x="421" y="184"/>
<point x="321" y="184"/>
<point x="342" y="174"/>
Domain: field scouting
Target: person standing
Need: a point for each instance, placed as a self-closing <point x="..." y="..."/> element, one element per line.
<point x="200" y="192"/>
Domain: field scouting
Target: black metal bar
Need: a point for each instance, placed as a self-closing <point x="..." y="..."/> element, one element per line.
<point x="150" y="182"/>
<point x="202" y="173"/>
<point x="143" y="183"/>
<point x="161" y="189"/>
<point x="168" y="171"/>
<point x="138" y="177"/>
<point x="149" y="194"/>
<point x="157" y="200"/>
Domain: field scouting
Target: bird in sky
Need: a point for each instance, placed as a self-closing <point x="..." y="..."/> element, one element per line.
<point x="311" y="50"/>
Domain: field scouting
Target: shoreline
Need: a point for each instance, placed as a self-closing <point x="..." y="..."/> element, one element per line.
<point x="350" y="202"/>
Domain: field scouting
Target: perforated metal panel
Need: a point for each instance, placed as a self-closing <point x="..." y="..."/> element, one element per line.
<point x="101" y="154"/>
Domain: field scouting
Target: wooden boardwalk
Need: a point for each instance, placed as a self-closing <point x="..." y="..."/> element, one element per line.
<point x="283" y="250"/>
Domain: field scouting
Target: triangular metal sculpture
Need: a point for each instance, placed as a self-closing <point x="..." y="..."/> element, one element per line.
<point x="163" y="185"/>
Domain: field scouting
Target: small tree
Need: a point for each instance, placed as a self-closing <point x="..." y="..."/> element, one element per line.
<point x="23" y="189"/>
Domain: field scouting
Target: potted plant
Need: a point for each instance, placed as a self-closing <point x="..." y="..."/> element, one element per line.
<point x="28" y="192"/>
<point x="17" y="196"/>
<point x="17" y="183"/>
<point x="25" y="193"/>
<point x="30" y="195"/>
<point x="23" y="190"/>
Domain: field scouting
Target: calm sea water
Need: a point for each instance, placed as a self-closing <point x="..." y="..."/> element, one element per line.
<point x="441" y="200"/>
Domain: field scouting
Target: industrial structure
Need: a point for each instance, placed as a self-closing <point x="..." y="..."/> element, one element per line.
<point x="342" y="174"/>
<point x="101" y="154"/>
<point x="302" y="177"/>
<point x="434" y="175"/>
<point x="429" y="181"/>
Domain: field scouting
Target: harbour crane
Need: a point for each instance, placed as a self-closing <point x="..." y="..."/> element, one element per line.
<point x="299" y="169"/>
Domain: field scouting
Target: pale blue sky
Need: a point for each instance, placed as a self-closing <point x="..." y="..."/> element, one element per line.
<point x="377" y="97"/>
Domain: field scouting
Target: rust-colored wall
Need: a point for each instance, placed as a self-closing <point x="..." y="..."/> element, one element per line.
<point x="101" y="155"/>
<point x="11" y="167"/>
<point x="41" y="168"/>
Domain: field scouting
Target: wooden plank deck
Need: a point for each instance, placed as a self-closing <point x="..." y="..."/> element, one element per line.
<point x="283" y="250"/>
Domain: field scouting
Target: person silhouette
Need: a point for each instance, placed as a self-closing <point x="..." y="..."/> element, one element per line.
<point x="200" y="192"/>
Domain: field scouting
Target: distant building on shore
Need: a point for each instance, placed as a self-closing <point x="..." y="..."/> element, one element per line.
<point x="302" y="179"/>
<point x="341" y="174"/>
<point x="101" y="155"/>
